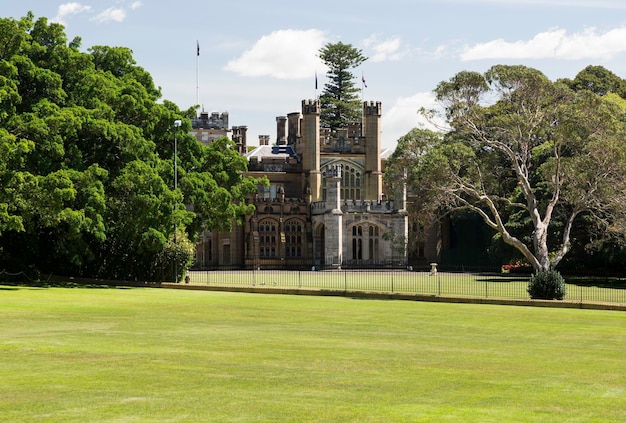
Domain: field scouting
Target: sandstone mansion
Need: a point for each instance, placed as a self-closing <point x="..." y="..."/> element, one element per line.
<point x="325" y="207"/>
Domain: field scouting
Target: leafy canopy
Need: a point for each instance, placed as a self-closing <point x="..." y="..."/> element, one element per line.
<point x="86" y="163"/>
<point x="530" y="156"/>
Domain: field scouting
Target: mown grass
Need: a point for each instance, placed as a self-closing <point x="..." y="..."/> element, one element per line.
<point x="442" y="284"/>
<point x="155" y="355"/>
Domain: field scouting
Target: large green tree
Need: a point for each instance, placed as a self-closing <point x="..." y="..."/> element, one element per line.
<point x="339" y="100"/>
<point x="524" y="149"/>
<point x="86" y="163"/>
<point x="599" y="80"/>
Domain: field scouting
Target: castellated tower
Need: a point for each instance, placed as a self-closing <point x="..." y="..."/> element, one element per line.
<point x="372" y="112"/>
<point x="311" y="148"/>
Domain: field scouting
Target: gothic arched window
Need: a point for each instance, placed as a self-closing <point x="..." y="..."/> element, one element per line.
<point x="351" y="176"/>
<point x="294" y="233"/>
<point x="268" y="235"/>
<point x="365" y="242"/>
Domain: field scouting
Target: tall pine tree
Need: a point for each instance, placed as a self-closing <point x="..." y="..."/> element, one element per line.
<point x="340" y="101"/>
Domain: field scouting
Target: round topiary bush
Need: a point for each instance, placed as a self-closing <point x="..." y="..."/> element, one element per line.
<point x="547" y="285"/>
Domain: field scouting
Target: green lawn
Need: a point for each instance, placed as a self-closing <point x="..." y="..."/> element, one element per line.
<point x="159" y="355"/>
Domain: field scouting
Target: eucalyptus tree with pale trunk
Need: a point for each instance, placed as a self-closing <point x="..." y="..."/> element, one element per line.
<point x="524" y="149"/>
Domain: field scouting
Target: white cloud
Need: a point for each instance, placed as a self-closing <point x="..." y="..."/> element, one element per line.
<point x="384" y="50"/>
<point x="283" y="54"/>
<point x="604" y="4"/>
<point x="403" y="116"/>
<point x="553" y="44"/>
<point x="68" y="9"/>
<point x="111" y="14"/>
<point x="136" y="5"/>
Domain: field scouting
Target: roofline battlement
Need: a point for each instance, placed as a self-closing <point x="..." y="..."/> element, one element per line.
<point x="372" y="108"/>
<point x="310" y="107"/>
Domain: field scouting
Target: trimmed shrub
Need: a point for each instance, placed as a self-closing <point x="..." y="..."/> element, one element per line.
<point x="548" y="285"/>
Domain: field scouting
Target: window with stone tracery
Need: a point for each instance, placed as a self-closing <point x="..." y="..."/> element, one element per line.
<point x="365" y="242"/>
<point x="268" y="238"/>
<point x="294" y="232"/>
<point x="351" y="181"/>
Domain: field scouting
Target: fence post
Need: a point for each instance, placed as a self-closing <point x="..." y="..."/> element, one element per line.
<point x="438" y="286"/>
<point x="486" y="289"/>
<point x="580" y="286"/>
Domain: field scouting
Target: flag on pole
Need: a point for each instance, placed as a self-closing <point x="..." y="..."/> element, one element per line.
<point x="363" y="79"/>
<point x="197" y="48"/>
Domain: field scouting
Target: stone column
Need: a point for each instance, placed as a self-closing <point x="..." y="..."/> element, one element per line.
<point x="281" y="130"/>
<point x="333" y="219"/>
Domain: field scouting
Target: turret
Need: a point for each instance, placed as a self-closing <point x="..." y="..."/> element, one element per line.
<point x="333" y="188"/>
<point x="240" y="138"/>
<point x="311" y="147"/>
<point x="372" y="112"/>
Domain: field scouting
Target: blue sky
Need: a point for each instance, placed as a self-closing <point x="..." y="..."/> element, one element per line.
<point x="258" y="58"/>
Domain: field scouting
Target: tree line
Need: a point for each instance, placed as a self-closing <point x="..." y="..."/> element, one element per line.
<point x="542" y="163"/>
<point x="86" y="163"/>
<point x="87" y="160"/>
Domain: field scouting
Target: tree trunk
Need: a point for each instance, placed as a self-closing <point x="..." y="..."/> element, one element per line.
<point x="542" y="254"/>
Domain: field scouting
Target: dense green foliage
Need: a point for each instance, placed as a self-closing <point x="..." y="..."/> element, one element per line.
<point x="339" y="101"/>
<point x="548" y="285"/>
<point x="598" y="80"/>
<point x="86" y="163"/>
<point x="532" y="157"/>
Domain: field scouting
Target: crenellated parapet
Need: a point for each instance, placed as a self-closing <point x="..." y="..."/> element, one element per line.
<point x="357" y="206"/>
<point x="310" y="107"/>
<point x="334" y="172"/>
<point x="372" y="108"/>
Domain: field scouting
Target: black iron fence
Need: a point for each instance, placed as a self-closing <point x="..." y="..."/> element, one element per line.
<point x="437" y="282"/>
<point x="434" y="281"/>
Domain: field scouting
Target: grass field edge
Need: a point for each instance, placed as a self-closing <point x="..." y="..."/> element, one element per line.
<point x="375" y="295"/>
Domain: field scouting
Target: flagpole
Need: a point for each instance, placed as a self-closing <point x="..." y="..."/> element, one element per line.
<point x="198" y="73"/>
<point x="362" y="108"/>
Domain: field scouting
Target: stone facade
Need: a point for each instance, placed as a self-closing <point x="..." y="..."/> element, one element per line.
<point x="325" y="205"/>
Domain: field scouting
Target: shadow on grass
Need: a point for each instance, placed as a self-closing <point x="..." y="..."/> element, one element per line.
<point x="585" y="281"/>
<point x="14" y="286"/>
<point x="9" y="288"/>
<point x="503" y="279"/>
<point x="597" y="282"/>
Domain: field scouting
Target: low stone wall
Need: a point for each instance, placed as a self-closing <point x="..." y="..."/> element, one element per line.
<point x="398" y="296"/>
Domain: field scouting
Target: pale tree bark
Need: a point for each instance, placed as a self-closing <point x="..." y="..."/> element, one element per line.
<point x="520" y="161"/>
